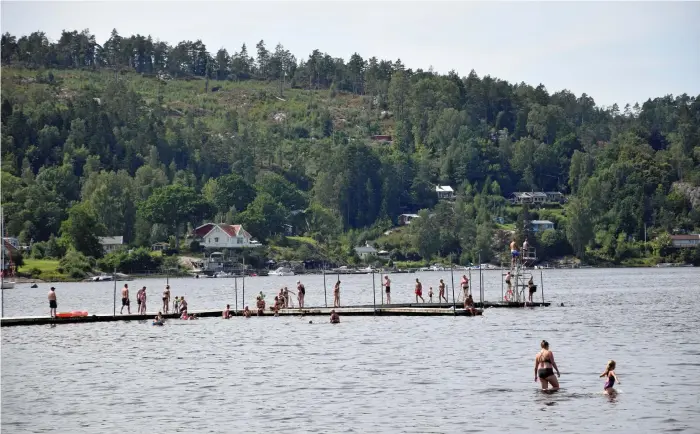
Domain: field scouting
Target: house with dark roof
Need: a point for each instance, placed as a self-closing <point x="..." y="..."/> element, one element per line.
<point x="685" y="241"/>
<point x="224" y="236"/>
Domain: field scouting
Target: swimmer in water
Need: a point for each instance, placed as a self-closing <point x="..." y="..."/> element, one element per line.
<point x="544" y="362"/>
<point x="246" y="312"/>
<point x="159" y="317"/>
<point x="335" y="318"/>
<point x="611" y="377"/>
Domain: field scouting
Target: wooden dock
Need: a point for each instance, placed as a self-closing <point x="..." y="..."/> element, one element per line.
<point x="399" y="309"/>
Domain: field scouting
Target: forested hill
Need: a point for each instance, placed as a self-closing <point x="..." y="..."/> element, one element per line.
<point x="140" y="138"/>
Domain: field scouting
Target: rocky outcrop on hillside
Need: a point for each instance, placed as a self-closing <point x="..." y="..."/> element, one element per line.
<point x="691" y="192"/>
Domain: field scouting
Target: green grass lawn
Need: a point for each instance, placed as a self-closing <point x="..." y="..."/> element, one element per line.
<point x="307" y="240"/>
<point x="44" y="265"/>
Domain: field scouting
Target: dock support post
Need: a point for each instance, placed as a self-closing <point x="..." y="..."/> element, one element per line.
<point x="374" y="293"/>
<point x="502" y="294"/>
<point x="542" y="287"/>
<point x="235" y="288"/>
<point x="481" y="283"/>
<point x="325" y="294"/>
<point x="452" y="274"/>
<point x="243" y="282"/>
<point x="114" y="277"/>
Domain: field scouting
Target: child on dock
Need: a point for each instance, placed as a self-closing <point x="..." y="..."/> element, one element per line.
<point x="430" y="294"/>
<point x="611" y="377"/>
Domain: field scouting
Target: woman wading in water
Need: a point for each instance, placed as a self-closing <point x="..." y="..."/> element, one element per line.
<point x="544" y="362"/>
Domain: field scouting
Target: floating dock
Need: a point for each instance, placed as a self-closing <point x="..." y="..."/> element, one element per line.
<point x="399" y="309"/>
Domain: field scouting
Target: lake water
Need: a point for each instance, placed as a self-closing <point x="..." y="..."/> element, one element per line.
<point x="367" y="374"/>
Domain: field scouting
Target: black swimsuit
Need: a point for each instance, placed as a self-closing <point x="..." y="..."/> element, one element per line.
<point x="544" y="373"/>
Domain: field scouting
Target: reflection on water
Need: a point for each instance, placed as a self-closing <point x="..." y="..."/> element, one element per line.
<point x="384" y="374"/>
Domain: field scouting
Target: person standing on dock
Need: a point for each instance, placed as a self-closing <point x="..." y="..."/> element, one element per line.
<point x="513" y="253"/>
<point x="419" y="290"/>
<point x="141" y="300"/>
<point x="166" y="298"/>
<point x="441" y="293"/>
<point x="430" y="294"/>
<point x="125" y="300"/>
<point x="387" y="288"/>
<point x="532" y="288"/>
<point x="183" y="305"/>
<point x="465" y="286"/>
<point x="301" y="292"/>
<point x="525" y="247"/>
<point x="336" y="294"/>
<point x="53" y="305"/>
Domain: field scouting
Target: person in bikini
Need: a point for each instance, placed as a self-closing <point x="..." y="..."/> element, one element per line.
<point x="419" y="291"/>
<point x="441" y="294"/>
<point x="53" y="305"/>
<point x="125" y="300"/>
<point x="544" y="362"/>
<point x="166" y="298"/>
<point x="610" y="376"/>
<point x="469" y="304"/>
<point x="336" y="294"/>
<point x="465" y="286"/>
<point x="387" y="289"/>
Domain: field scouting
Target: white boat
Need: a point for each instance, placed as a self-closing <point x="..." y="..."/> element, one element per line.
<point x="220" y="274"/>
<point x="7" y="285"/>
<point x="281" y="271"/>
<point x="102" y="278"/>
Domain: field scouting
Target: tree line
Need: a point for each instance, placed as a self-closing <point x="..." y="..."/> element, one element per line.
<point x="110" y="156"/>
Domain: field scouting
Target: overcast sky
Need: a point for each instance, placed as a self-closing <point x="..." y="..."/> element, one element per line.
<point x="614" y="51"/>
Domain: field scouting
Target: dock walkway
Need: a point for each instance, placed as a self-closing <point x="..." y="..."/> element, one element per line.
<point x="399" y="309"/>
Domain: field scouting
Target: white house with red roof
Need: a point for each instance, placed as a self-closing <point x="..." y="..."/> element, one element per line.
<point x="224" y="236"/>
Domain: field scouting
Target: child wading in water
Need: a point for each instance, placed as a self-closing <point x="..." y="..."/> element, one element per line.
<point x="611" y="377"/>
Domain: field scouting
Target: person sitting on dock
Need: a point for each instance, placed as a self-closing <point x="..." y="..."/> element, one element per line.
<point x="419" y="290"/>
<point x="430" y="294"/>
<point x="125" y="300"/>
<point x="246" y="312"/>
<point x="441" y="294"/>
<point x="336" y="294"/>
<point x="227" y="312"/>
<point x="469" y="304"/>
<point x="166" y="298"/>
<point x="465" y="286"/>
<point x="53" y="305"/>
<point x="387" y="289"/>
<point x="532" y="288"/>
<point x="513" y="253"/>
<point x="335" y="318"/>
<point x="301" y="292"/>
